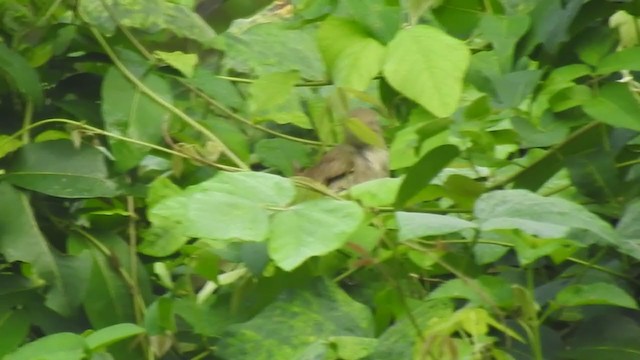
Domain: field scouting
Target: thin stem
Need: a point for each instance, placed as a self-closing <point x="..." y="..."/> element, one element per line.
<point x="27" y="121"/>
<point x="119" y="137"/>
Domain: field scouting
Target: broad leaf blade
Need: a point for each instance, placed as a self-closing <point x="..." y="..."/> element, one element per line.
<point x="57" y="168"/>
<point x="520" y="209"/>
<point x="595" y="294"/>
<point x="314" y="313"/>
<point x="311" y="228"/>
<point x="421" y="174"/>
<point x="416" y="66"/>
<point x="21" y="240"/>
<point x="415" y="225"/>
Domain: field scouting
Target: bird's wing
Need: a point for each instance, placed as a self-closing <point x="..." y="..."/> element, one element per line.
<point x="337" y="163"/>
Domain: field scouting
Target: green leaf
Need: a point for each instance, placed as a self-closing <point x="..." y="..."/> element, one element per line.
<point x="336" y="36"/>
<point x="628" y="228"/>
<point x="478" y="291"/>
<point x="60" y="346"/>
<point x="14" y="325"/>
<point x="625" y="59"/>
<point x="263" y="188"/>
<point x="112" y="334"/>
<point x="128" y="112"/>
<point x="352" y="347"/>
<point x="108" y="299"/>
<point x="594" y="294"/>
<point x="595" y="174"/>
<point x="20" y="74"/>
<point x="513" y="88"/>
<point x="614" y="105"/>
<point x="589" y="138"/>
<point x="417" y="67"/>
<point x="315" y="313"/>
<point x="559" y="79"/>
<point x="221" y="90"/>
<point x="463" y="190"/>
<point x="271" y="90"/>
<point x="185" y="63"/>
<point x="359" y="64"/>
<point x="400" y="339"/>
<point x="377" y="192"/>
<point x="228" y="206"/>
<point x="364" y="132"/>
<point x="421" y="174"/>
<point x="274" y="97"/>
<point x="8" y="144"/>
<point x="539" y="215"/>
<point x="285" y="155"/>
<point x="416" y="139"/>
<point x="150" y="15"/>
<point x="311" y="228"/>
<point x="550" y="24"/>
<point x="504" y="33"/>
<point x="383" y="19"/>
<point x="206" y="214"/>
<point x="415" y="225"/>
<point x="273" y="47"/>
<point x="529" y="248"/>
<point x="57" y="168"/>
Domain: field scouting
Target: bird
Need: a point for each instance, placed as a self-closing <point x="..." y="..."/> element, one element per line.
<point x="358" y="159"/>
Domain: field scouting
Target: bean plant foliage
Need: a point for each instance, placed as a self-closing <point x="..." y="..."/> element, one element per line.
<point x="150" y="206"/>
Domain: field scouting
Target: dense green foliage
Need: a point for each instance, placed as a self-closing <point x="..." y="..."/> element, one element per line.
<point x="149" y="207"/>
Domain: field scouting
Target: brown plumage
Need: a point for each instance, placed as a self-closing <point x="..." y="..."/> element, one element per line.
<point x="354" y="161"/>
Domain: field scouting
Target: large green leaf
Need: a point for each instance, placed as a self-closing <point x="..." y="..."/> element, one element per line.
<point x="615" y="105"/>
<point x="415" y="225"/>
<point x="428" y="66"/>
<point x="273" y="97"/>
<point x="306" y="317"/>
<point x="149" y="15"/>
<point x="594" y="294"/>
<point x="383" y="19"/>
<point x="595" y="174"/>
<point x="421" y="174"/>
<point x="108" y="300"/>
<point x="271" y="47"/>
<point x="128" y="112"/>
<point x="515" y="87"/>
<point x="359" y="64"/>
<point x="352" y="56"/>
<point x="57" y="168"/>
<point x="263" y="188"/>
<point x="311" y="228"/>
<point x="21" y="240"/>
<point x="285" y="155"/>
<point x="14" y="325"/>
<point x="541" y="216"/>
<point x="228" y="206"/>
<point x="550" y="22"/>
<point x="560" y="78"/>
<point x="219" y="89"/>
<point x="400" y="340"/>
<point x="504" y="32"/>
<point x="60" y="346"/>
<point x="481" y="291"/>
<point x="589" y="138"/>
<point x="114" y="333"/>
<point x="20" y="74"/>
<point x="206" y="214"/>
<point x="626" y="59"/>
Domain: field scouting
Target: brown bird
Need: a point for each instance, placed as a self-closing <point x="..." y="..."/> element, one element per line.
<point x="359" y="159"/>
